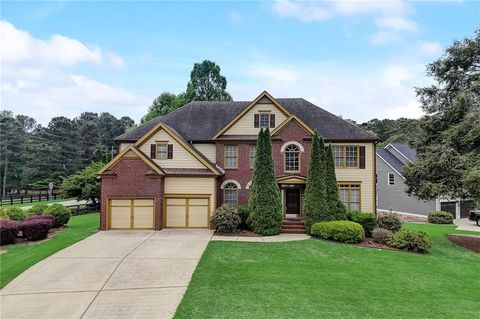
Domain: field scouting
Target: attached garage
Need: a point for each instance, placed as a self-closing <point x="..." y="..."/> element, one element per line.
<point x="131" y="213"/>
<point x="187" y="212"/>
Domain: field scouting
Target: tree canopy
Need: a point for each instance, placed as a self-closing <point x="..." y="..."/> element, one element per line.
<point x="84" y="185"/>
<point x="448" y="143"/>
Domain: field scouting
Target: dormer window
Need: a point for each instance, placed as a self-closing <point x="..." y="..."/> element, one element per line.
<point x="264" y="119"/>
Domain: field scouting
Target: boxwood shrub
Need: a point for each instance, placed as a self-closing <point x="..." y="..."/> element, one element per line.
<point x="36" y="228"/>
<point x="390" y="222"/>
<point x="16" y="213"/>
<point x="339" y="230"/>
<point x="243" y="212"/>
<point x="381" y="235"/>
<point x="3" y="214"/>
<point x="411" y="240"/>
<point x="8" y="231"/>
<point x="367" y="220"/>
<point x="37" y="209"/>
<point x="226" y="219"/>
<point x="440" y="217"/>
<point x="61" y="213"/>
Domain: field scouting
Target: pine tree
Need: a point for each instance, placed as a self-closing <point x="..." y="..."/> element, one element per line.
<point x="265" y="202"/>
<point x="335" y="208"/>
<point x="314" y="202"/>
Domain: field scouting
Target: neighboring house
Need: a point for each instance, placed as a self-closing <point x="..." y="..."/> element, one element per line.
<point x="175" y="170"/>
<point x="391" y="187"/>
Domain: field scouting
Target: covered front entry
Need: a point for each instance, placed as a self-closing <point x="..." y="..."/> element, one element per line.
<point x="131" y="213"/>
<point x="187" y="212"/>
<point x="292" y="188"/>
<point x="292" y="201"/>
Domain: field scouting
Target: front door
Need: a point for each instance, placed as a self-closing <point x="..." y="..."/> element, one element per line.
<point x="292" y="201"/>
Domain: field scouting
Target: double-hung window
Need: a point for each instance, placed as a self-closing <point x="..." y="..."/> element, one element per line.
<point x="346" y="156"/>
<point x="231" y="156"/>
<point x="350" y="196"/>
<point x="253" y="150"/>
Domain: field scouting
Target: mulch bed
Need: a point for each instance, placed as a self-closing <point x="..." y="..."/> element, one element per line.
<point x="471" y="242"/>
<point x="368" y="242"/>
<point x="241" y="233"/>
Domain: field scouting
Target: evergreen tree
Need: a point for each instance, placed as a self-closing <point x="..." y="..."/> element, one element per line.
<point x="335" y="208"/>
<point x="314" y="202"/>
<point x="265" y="203"/>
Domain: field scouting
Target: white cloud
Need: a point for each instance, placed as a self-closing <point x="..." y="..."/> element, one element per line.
<point x="357" y="91"/>
<point x="433" y="48"/>
<point x="18" y="46"/>
<point x="38" y="79"/>
<point x="384" y="37"/>
<point x="235" y="16"/>
<point x="397" y="23"/>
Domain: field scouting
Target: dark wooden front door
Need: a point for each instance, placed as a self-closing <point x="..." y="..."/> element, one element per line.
<point x="292" y="201"/>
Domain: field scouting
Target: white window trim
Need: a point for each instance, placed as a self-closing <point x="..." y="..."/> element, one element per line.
<point x="230" y="181"/>
<point x="248" y="185"/>
<point x="284" y="146"/>
<point x="388" y="179"/>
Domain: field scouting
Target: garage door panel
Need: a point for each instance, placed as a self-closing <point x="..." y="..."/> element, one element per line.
<point x="198" y="201"/>
<point x="176" y="216"/>
<point x="198" y="216"/>
<point x="120" y="217"/>
<point x="143" y="217"/>
<point x="120" y="202"/>
<point x="143" y="202"/>
<point x="176" y="201"/>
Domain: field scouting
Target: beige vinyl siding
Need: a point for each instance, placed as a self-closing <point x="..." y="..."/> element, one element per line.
<point x="365" y="177"/>
<point x="123" y="146"/>
<point x="181" y="157"/>
<point x="209" y="150"/>
<point x="244" y="126"/>
<point x="191" y="186"/>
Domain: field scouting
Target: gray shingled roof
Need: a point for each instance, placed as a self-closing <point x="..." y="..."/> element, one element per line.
<point x="391" y="159"/>
<point x="200" y="121"/>
<point x="406" y="150"/>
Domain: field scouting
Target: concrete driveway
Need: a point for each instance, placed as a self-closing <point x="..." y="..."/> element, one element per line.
<point x="112" y="274"/>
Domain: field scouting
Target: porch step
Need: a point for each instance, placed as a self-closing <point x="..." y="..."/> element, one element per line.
<point x="293" y="226"/>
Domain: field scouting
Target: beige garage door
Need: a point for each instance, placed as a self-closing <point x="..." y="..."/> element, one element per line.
<point x="186" y="212"/>
<point x="132" y="213"/>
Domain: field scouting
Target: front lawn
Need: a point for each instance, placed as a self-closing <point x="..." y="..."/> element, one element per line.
<point x="321" y="279"/>
<point x="18" y="258"/>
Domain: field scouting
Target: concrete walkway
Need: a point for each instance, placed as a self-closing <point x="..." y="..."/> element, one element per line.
<point x="112" y="274"/>
<point x="465" y="224"/>
<point x="263" y="239"/>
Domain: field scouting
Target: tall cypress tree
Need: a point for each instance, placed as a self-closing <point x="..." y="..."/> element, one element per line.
<point x="265" y="202"/>
<point x="314" y="202"/>
<point x="335" y="208"/>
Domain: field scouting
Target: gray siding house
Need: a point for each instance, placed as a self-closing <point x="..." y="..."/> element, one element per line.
<point x="391" y="185"/>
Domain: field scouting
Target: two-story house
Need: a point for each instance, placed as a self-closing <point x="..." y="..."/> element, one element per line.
<point x="175" y="170"/>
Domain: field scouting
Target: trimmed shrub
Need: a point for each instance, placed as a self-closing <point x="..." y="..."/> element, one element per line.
<point x="243" y="213"/>
<point x="16" y="213"/>
<point x="390" y="222"/>
<point x="411" y="240"/>
<point x="35" y="228"/>
<point x="37" y="209"/>
<point x="61" y="213"/>
<point x="440" y="217"/>
<point x="340" y="230"/>
<point x="226" y="219"/>
<point x="49" y="218"/>
<point x="367" y="220"/>
<point x="3" y="214"/>
<point x="8" y="231"/>
<point x="381" y="235"/>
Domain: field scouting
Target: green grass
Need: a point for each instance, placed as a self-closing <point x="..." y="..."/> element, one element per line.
<point x="321" y="279"/>
<point x="18" y="258"/>
<point x="35" y="202"/>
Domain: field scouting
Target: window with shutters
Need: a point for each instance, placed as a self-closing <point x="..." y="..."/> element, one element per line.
<point x="253" y="150"/>
<point x="231" y="156"/>
<point x="162" y="151"/>
<point x="350" y="196"/>
<point x="346" y="156"/>
<point x="264" y="119"/>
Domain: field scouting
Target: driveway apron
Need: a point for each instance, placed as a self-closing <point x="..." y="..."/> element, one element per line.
<point x="112" y="274"/>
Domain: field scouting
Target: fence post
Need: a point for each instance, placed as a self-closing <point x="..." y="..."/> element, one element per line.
<point x="21" y="200"/>
<point x="11" y="200"/>
<point x="55" y="196"/>
<point x="40" y="197"/>
<point x="31" y="198"/>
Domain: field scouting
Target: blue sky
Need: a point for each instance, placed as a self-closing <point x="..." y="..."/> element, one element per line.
<point x="356" y="59"/>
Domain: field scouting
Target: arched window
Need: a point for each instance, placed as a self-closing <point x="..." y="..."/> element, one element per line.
<point x="230" y="194"/>
<point x="292" y="158"/>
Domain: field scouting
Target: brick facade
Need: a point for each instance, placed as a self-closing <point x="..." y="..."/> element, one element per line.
<point x="131" y="180"/>
<point x="243" y="174"/>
